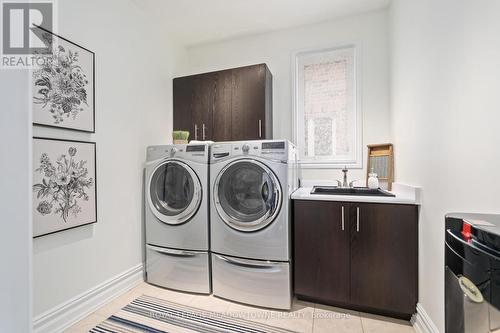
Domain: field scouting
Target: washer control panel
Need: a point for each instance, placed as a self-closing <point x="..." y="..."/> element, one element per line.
<point x="196" y="153"/>
<point x="245" y="148"/>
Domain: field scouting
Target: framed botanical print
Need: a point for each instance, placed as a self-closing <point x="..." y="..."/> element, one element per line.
<point x="64" y="185"/>
<point x="63" y="86"/>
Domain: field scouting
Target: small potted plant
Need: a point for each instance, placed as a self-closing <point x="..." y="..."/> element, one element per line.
<point x="180" y="137"/>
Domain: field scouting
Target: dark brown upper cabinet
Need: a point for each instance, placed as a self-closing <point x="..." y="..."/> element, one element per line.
<point x="232" y="104"/>
<point x="221" y="117"/>
<point x="358" y="255"/>
<point x="183" y="103"/>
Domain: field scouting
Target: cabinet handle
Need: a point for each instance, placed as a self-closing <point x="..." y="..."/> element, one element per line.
<point x="343" y="218"/>
<point x="357" y="219"/>
<point x="248" y="263"/>
<point x="172" y="252"/>
<point x="195" y="132"/>
<point x="203" y="132"/>
<point x="260" y="128"/>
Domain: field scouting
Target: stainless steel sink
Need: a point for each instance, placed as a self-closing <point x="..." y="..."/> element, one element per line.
<point x="361" y="191"/>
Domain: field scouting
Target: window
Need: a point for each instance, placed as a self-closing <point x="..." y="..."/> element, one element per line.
<point x="327" y="123"/>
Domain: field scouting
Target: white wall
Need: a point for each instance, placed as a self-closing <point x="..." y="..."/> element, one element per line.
<point x="133" y="109"/>
<point x="276" y="49"/>
<point x="445" y="81"/>
<point x="15" y="202"/>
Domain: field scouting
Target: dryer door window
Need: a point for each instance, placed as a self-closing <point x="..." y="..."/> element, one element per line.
<point x="247" y="195"/>
<point x="174" y="192"/>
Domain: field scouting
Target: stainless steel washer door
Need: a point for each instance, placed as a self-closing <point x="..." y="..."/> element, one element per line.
<point x="247" y="195"/>
<point x="174" y="192"/>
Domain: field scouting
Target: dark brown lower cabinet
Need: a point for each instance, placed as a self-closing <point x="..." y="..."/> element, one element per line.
<point x="321" y="263"/>
<point x="384" y="257"/>
<point x="371" y="264"/>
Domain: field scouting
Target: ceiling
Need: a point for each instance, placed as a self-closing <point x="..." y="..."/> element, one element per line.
<point x="193" y="22"/>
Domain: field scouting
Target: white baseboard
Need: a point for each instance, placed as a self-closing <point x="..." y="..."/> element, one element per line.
<point x="66" y="314"/>
<point x="422" y="322"/>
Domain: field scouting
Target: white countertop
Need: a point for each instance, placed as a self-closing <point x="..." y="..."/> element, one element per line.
<point x="404" y="194"/>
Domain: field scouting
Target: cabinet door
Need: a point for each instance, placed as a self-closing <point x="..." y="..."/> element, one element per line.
<point x="384" y="258"/>
<point x="203" y="104"/>
<point x="248" y="102"/>
<point x="321" y="251"/>
<point x="222" y="106"/>
<point x="182" y="103"/>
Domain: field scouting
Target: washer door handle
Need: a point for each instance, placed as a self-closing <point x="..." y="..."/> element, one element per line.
<point x="264" y="191"/>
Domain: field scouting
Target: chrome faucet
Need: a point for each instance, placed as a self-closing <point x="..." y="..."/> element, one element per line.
<point x="344" y="183"/>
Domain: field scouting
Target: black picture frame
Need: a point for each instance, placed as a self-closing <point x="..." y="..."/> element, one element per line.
<point x="95" y="182"/>
<point x="93" y="87"/>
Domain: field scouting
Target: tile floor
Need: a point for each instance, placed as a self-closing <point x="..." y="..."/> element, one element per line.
<point x="305" y="317"/>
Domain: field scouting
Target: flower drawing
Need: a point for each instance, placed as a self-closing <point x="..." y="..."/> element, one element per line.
<point x="63" y="184"/>
<point x="44" y="207"/>
<point x="61" y="84"/>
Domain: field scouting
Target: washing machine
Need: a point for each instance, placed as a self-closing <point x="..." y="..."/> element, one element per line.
<point x="251" y="183"/>
<point x="177" y="217"/>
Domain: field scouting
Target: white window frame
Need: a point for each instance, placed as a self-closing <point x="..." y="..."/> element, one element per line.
<point x="357" y="162"/>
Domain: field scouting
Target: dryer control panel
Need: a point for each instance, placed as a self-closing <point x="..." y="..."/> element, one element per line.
<point x="271" y="149"/>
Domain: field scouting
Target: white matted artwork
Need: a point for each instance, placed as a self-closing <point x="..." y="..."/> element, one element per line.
<point x="64" y="185"/>
<point x="63" y="86"/>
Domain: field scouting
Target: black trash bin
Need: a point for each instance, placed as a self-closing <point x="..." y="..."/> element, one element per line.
<point x="472" y="273"/>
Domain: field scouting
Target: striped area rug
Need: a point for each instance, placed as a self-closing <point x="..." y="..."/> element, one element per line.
<point x="151" y="314"/>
